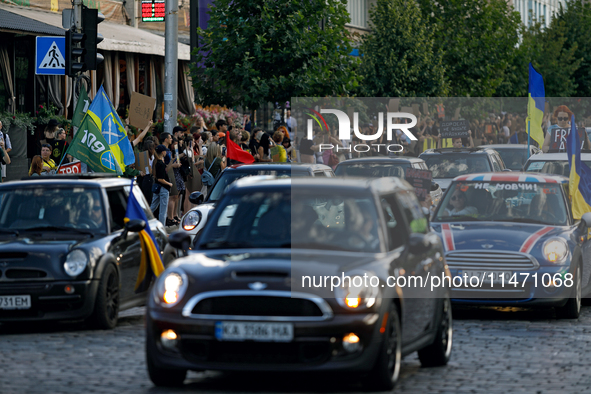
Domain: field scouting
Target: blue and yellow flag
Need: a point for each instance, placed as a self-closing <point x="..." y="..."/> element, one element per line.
<point x="150" y="263"/>
<point x="104" y="115"/>
<point x="580" y="175"/>
<point x="535" y="106"/>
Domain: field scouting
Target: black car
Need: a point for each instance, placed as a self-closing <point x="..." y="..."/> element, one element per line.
<point x="377" y="167"/>
<point x="448" y="163"/>
<point x="65" y="251"/>
<point x="194" y="220"/>
<point x="514" y="155"/>
<point x="248" y="298"/>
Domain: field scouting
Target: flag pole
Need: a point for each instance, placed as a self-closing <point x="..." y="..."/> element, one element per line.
<point x="528" y="123"/>
<point x="62" y="160"/>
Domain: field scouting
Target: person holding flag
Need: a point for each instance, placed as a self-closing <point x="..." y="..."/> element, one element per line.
<point x="234" y="152"/>
<point x="150" y="263"/>
<point x="535" y="107"/>
<point x="580" y="175"/>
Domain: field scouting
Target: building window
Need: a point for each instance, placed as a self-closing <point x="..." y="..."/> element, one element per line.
<point x="358" y="12"/>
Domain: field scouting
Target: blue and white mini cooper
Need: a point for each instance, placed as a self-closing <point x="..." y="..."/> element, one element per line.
<point x="510" y="239"/>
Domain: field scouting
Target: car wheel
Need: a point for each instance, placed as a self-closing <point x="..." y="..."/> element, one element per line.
<point x="164" y="377"/>
<point x="106" y="309"/>
<point x="385" y="372"/>
<point x="572" y="308"/>
<point x="439" y="352"/>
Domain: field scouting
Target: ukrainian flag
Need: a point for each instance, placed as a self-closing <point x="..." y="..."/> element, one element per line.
<point x="104" y="115"/>
<point x="150" y="263"/>
<point x="535" y="105"/>
<point x="580" y="175"/>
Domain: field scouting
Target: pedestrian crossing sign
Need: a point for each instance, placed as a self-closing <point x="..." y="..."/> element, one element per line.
<point x="50" y="56"/>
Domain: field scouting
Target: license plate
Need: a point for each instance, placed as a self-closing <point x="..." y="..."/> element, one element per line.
<point x="263" y="332"/>
<point x="497" y="276"/>
<point x="15" y="302"/>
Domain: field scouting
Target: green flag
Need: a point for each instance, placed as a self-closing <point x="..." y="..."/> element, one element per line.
<point x="81" y="108"/>
<point x="90" y="147"/>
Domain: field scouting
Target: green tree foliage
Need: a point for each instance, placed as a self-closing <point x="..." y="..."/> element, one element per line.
<point x="547" y="51"/>
<point x="576" y="22"/>
<point x="399" y="59"/>
<point x="478" y="39"/>
<point x="269" y="51"/>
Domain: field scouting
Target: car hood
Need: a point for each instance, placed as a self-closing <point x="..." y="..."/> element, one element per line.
<point x="493" y="236"/>
<point x="281" y="270"/>
<point x="44" y="256"/>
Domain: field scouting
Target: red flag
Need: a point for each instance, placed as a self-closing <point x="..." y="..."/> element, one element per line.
<point x="236" y="153"/>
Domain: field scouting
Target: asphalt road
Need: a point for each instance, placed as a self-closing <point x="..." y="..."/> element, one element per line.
<point x="495" y="351"/>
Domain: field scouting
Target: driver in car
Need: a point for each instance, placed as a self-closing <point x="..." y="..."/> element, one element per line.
<point x="96" y="215"/>
<point x="459" y="205"/>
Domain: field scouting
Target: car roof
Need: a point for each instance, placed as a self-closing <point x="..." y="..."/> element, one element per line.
<point x="383" y="159"/>
<point x="457" y="150"/>
<point x="558" y="156"/>
<point x="279" y="166"/>
<point x="256" y="183"/>
<point x="86" y="180"/>
<point x="504" y="146"/>
<point x="528" y="177"/>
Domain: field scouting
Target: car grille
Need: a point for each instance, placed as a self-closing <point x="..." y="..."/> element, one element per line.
<point x="24" y="274"/>
<point x="478" y="260"/>
<point x="492" y="293"/>
<point x="260" y="353"/>
<point x="257" y="306"/>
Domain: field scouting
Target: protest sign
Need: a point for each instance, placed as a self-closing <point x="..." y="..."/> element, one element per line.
<point x="415" y="110"/>
<point x="142" y="162"/>
<point x="141" y="109"/>
<point x="425" y="108"/>
<point x="407" y="110"/>
<point x="70" y="168"/>
<point x="393" y="105"/>
<point x="455" y="129"/>
<point x="420" y="180"/>
<point x="558" y="139"/>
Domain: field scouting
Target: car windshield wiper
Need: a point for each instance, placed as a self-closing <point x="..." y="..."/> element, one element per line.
<point x="4" y="231"/>
<point x="458" y="218"/>
<point x="59" y="228"/>
<point x="225" y="245"/>
<point x="522" y="220"/>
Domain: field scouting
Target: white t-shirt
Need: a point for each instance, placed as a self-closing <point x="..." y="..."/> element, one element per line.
<point x="506" y="131"/>
<point x="465" y="211"/>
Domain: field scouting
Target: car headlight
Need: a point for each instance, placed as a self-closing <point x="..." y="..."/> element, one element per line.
<point x="191" y="220"/>
<point x="172" y="286"/>
<point x="76" y="262"/>
<point x="358" y="292"/>
<point x="555" y="250"/>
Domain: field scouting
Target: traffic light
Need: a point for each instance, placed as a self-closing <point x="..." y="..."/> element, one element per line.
<point x="90" y="20"/>
<point x="75" y="52"/>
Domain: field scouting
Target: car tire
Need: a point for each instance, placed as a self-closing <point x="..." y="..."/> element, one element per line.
<point x="572" y="308"/>
<point x="439" y="352"/>
<point x="106" y="308"/>
<point x="164" y="377"/>
<point x="385" y="372"/>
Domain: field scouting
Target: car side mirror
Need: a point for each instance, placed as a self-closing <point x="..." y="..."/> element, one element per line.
<point x="586" y="218"/>
<point x="196" y="198"/>
<point x="180" y="240"/>
<point x="134" y="226"/>
<point x="417" y="243"/>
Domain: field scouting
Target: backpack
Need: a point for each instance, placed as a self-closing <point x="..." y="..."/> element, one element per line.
<point x="207" y="177"/>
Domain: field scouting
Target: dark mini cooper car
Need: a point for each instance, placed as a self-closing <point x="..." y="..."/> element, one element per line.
<point x="448" y="163"/>
<point x="249" y="298"/>
<point x="514" y="241"/>
<point x="65" y="251"/>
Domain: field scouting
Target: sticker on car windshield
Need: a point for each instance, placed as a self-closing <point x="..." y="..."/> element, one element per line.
<point x="536" y="165"/>
<point x="506" y="186"/>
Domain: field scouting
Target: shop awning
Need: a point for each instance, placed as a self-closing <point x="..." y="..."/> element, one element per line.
<point x="117" y="37"/>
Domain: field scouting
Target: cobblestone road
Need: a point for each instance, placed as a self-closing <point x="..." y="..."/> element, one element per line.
<point x="495" y="351"/>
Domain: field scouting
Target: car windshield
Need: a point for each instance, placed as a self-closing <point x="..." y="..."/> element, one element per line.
<point x="451" y="165"/>
<point x="502" y="201"/>
<point x="229" y="177"/>
<point x="56" y="208"/>
<point x="558" y="167"/>
<point x="372" y="170"/>
<point x="290" y="219"/>
<point x="514" y="159"/>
